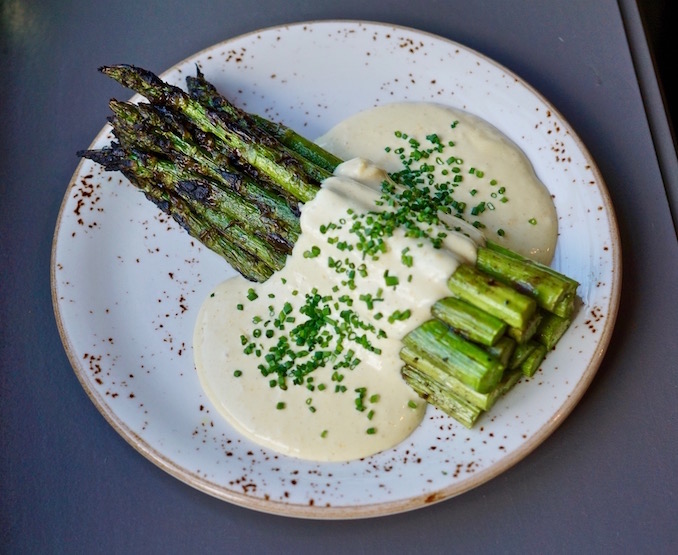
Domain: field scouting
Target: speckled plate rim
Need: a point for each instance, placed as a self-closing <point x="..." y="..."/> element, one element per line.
<point x="370" y="509"/>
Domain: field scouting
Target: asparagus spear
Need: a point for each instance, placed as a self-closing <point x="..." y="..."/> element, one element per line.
<point x="227" y="242"/>
<point x="533" y="360"/>
<point x="150" y="128"/>
<point x="527" y="275"/>
<point x="453" y="403"/>
<point x="526" y="333"/>
<point x="520" y="354"/>
<point x="279" y="165"/>
<point x="463" y="359"/>
<point x="470" y="321"/>
<point x="486" y="293"/>
<point x="503" y="350"/>
<point x="441" y="397"/>
<point x="206" y="93"/>
<point x="281" y="230"/>
<point x="428" y="370"/>
<point x="551" y="329"/>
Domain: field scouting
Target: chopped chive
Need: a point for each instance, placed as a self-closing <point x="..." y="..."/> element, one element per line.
<point x="313" y="253"/>
<point x="391" y="281"/>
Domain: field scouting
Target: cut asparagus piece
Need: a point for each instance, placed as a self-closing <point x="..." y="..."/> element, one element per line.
<point x="461" y="358"/>
<point x="492" y="296"/>
<point x="520" y="354"/>
<point x="470" y="321"/>
<point x="566" y="307"/>
<point x="503" y="350"/>
<point x="563" y="307"/>
<point x="547" y="289"/>
<point x="533" y="361"/>
<point x="464" y="412"/>
<point x="523" y="335"/>
<point x="446" y="382"/>
<point x="450" y="402"/>
<point x="551" y="329"/>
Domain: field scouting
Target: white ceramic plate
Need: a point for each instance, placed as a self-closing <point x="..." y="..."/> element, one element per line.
<point x="127" y="282"/>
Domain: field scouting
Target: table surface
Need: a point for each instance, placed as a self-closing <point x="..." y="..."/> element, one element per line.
<point x="604" y="482"/>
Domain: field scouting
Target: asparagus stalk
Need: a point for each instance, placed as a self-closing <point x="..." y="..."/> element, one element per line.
<point x="533" y="360"/>
<point x="503" y="350"/>
<point x="470" y="321"/>
<point x="455" y="404"/>
<point x="152" y="129"/>
<point x="463" y="359"/>
<point x="554" y="291"/>
<point x="441" y="397"/>
<point x="525" y="334"/>
<point x="281" y="230"/>
<point x="520" y="354"/>
<point x="206" y="93"/>
<point x="551" y="329"/>
<point x="227" y="242"/>
<point x="486" y="293"/>
<point x="428" y="370"/>
<point x="517" y="256"/>
<point x="279" y="165"/>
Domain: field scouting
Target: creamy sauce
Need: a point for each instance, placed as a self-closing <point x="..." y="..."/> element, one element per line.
<point x="352" y="303"/>
<point x="527" y="216"/>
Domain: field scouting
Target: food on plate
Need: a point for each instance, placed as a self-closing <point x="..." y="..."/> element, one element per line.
<point x="398" y="261"/>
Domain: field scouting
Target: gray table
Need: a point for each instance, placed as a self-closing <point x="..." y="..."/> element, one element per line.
<point x="605" y="482"/>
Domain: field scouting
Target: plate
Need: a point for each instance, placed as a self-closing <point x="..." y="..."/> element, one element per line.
<point x="127" y="283"/>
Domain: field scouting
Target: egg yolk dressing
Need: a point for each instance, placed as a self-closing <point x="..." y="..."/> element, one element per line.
<point x="307" y="363"/>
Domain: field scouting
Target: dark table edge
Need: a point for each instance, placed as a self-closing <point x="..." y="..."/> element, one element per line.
<point x="663" y="136"/>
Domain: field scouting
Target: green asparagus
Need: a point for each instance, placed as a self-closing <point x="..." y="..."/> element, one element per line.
<point x="207" y="94"/>
<point x="299" y="178"/>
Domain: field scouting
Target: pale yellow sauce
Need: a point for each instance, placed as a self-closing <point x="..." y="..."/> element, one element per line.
<point x="528" y="216"/>
<point x="320" y="420"/>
